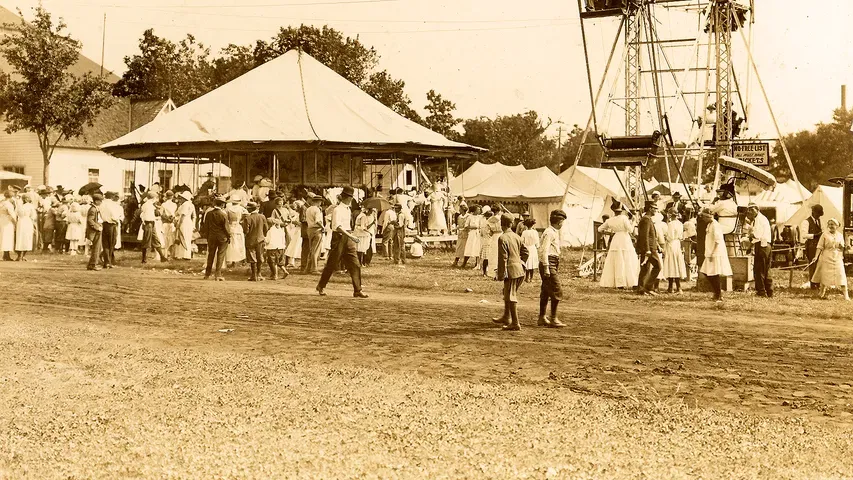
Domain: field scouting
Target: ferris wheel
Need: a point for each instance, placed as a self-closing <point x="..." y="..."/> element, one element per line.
<point x="698" y="96"/>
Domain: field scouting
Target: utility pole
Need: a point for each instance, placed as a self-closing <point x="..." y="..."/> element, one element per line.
<point x="103" y="44"/>
<point x="559" y="146"/>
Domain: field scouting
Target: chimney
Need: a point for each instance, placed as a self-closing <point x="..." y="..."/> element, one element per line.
<point x="844" y="97"/>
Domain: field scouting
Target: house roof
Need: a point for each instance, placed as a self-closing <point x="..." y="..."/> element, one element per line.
<point x="122" y="117"/>
<point x="83" y="65"/>
<point x="292" y="101"/>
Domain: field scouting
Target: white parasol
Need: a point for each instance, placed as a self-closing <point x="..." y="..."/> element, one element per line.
<point x="747" y="171"/>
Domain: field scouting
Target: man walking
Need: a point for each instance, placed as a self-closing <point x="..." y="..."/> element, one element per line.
<point x="511" y="271"/>
<point x="93" y="231"/>
<point x="215" y="229"/>
<point x="761" y="238"/>
<point x="255" y="230"/>
<point x="150" y="239"/>
<point x="343" y="248"/>
<point x="647" y="248"/>
<point x="404" y="221"/>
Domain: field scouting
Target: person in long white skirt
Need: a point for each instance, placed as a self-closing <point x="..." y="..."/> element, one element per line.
<point x="236" y="251"/>
<point x="75" y="231"/>
<point x="293" y="231"/>
<point x="25" y="228"/>
<point x="365" y="220"/>
<point x="830" y="264"/>
<point x="674" y="267"/>
<point x="461" y="236"/>
<point x="473" y="245"/>
<point x="167" y="216"/>
<point x="716" y="261"/>
<point x="184" y="227"/>
<point x="437" y="203"/>
<point x="621" y="266"/>
<point x="8" y="218"/>
<point x="530" y="241"/>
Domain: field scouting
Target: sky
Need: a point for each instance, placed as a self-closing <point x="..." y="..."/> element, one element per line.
<point x="498" y="57"/>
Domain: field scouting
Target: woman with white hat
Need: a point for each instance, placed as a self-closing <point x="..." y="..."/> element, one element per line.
<point x="184" y="227"/>
<point x="621" y="266"/>
<point x="716" y="261"/>
<point x="236" y="251"/>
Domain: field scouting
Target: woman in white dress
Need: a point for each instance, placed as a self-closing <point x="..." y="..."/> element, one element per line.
<point x="8" y="218"/>
<point x="830" y="264"/>
<point x="530" y="241"/>
<point x="494" y="226"/>
<point x="674" y="267"/>
<point x="236" y="251"/>
<point x="486" y="239"/>
<point x="363" y="222"/>
<point x="185" y="226"/>
<point x="473" y="245"/>
<point x="437" y="220"/>
<point x="76" y="229"/>
<point x="293" y="230"/>
<point x="716" y="261"/>
<point x="621" y="266"/>
<point x="25" y="228"/>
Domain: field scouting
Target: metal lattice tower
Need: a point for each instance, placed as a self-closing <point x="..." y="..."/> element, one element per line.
<point x="633" y="175"/>
<point x="722" y="23"/>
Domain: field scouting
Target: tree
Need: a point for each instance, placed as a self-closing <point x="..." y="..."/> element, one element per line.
<point x="592" y="150"/>
<point x="440" y="118"/>
<point x="390" y="93"/>
<point x="346" y="56"/>
<point x="512" y="140"/>
<point x="40" y="94"/>
<point x="163" y="69"/>
<point x="817" y="155"/>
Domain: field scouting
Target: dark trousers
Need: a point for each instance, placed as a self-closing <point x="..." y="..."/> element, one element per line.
<point x="108" y="240"/>
<point x="399" y="245"/>
<point x="306" y="251"/>
<point x="811" y="253"/>
<point x="368" y="255"/>
<point x="343" y="251"/>
<point x="649" y="272"/>
<point x="59" y="243"/>
<point x="388" y="242"/>
<point x="315" y="240"/>
<point x="215" y="251"/>
<point x="761" y="270"/>
<point x="95" y="251"/>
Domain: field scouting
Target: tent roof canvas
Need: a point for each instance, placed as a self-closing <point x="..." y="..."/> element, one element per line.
<point x="290" y="100"/>
<point x="598" y="182"/>
<point x="830" y="197"/>
<point x="540" y="184"/>
<point x="477" y="174"/>
<point x="4" y="175"/>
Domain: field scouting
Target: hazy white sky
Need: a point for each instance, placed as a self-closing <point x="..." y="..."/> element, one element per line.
<point x="490" y="56"/>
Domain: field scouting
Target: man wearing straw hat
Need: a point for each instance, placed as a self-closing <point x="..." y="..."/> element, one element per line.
<point x="343" y="249"/>
<point x="761" y="237"/>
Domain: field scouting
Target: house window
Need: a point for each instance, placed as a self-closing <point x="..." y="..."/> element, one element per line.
<point x="94" y="173"/>
<point x="127" y="185"/>
<point x="14" y="169"/>
<point x="409" y="178"/>
<point x="165" y="179"/>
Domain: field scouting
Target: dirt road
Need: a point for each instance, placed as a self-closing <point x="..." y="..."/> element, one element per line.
<point x="616" y="346"/>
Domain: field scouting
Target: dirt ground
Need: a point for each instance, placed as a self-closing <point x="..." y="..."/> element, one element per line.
<point x="787" y="358"/>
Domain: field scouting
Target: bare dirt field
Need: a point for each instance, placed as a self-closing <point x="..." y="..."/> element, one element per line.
<point x="125" y="373"/>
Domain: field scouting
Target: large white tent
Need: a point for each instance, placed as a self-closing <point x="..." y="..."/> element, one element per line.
<point x="292" y="102"/>
<point x="477" y="174"/>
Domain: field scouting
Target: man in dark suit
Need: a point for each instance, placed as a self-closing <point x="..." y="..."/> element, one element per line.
<point x="647" y="248"/>
<point x="255" y="228"/>
<point x="93" y="231"/>
<point x="511" y="271"/>
<point x="215" y="229"/>
<point x="343" y="250"/>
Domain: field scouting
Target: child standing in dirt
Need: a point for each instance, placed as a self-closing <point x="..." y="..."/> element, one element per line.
<point x="549" y="265"/>
<point x="510" y="269"/>
<point x="255" y="230"/>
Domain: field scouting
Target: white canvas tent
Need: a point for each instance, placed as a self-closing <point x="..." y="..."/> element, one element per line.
<point x="831" y="198"/>
<point x="289" y="103"/>
<point x="477" y="174"/>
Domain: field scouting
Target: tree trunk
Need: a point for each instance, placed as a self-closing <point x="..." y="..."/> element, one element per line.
<point x="45" y="154"/>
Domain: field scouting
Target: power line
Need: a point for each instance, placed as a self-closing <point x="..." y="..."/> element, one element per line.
<point x="266" y="5"/>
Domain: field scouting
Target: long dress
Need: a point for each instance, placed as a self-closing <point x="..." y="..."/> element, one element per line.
<point x="530" y="240"/>
<point x="494" y="225"/>
<point x="621" y="267"/>
<point x="76" y="227"/>
<point x="362" y="221"/>
<point x="185" y="223"/>
<point x="8" y="217"/>
<point x="236" y="251"/>
<point x="473" y="243"/>
<point x="167" y="213"/>
<point x="25" y="229"/>
<point x="830" y="265"/>
<point x="673" y="259"/>
<point x="293" y="230"/>
<point x="716" y="256"/>
<point x="437" y="219"/>
<point x="461" y="235"/>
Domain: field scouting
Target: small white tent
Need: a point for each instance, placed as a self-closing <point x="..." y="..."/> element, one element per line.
<point x="831" y="198"/>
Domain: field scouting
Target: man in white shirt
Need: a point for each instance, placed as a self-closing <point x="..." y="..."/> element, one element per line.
<point x="549" y="265"/>
<point x="111" y="214"/>
<point x="343" y="247"/>
<point x="314" y="224"/>
<point x="150" y="239"/>
<point x="762" y="237"/>
<point x="388" y="221"/>
<point x="404" y="221"/>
